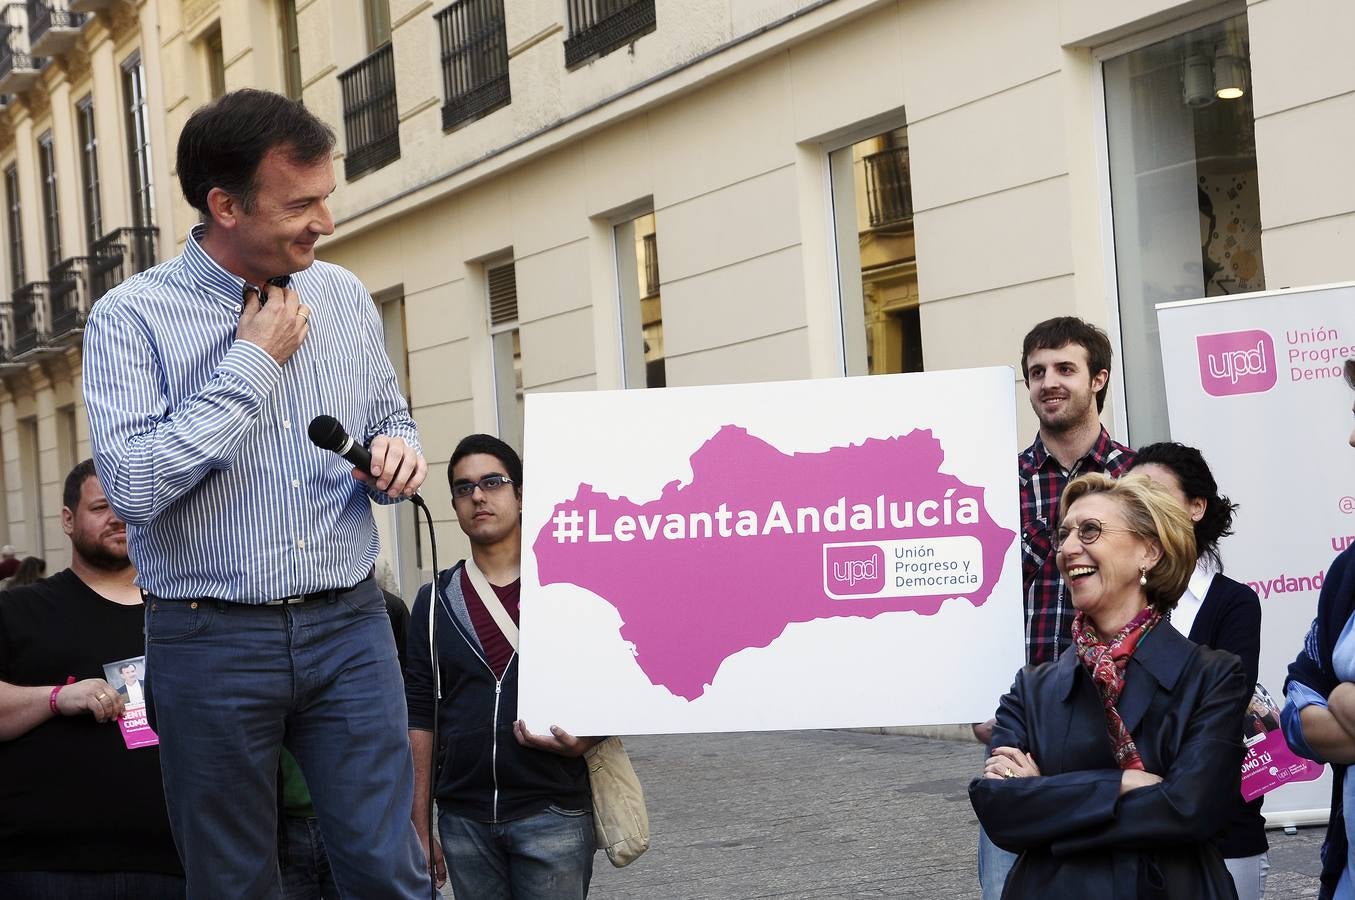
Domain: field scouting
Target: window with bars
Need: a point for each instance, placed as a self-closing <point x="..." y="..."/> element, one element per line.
<point x="371" y="119"/>
<point x="474" y="60"/>
<point x="51" y="203"/>
<point x="506" y="350"/>
<point x="291" y="50"/>
<point x="877" y="255"/>
<point x="138" y="142"/>
<point x="89" y="169"/>
<point x="597" y="27"/>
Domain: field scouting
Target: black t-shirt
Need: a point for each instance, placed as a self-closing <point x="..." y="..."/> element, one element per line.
<point x="72" y="796"/>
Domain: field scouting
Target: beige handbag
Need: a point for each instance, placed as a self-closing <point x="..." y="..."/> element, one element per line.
<point x="620" y="819"/>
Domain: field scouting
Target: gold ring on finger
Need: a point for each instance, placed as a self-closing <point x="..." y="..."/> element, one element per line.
<point x="100" y="696"/>
<point x="304" y="314"/>
<point x="1008" y="773"/>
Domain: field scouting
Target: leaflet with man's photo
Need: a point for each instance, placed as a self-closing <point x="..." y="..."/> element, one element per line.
<point x="1269" y="762"/>
<point x="128" y="677"/>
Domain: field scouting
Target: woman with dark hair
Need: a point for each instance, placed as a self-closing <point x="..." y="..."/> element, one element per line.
<point x="1216" y="611"/>
<point x="30" y="570"/>
<point x="1113" y="767"/>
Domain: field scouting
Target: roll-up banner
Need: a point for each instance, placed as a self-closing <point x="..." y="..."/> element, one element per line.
<point x="1255" y="382"/>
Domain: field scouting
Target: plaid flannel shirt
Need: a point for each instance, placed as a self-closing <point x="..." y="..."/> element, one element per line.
<point x="1049" y="616"/>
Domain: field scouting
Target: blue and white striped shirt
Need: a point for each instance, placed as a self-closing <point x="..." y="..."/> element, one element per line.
<point x="200" y="439"/>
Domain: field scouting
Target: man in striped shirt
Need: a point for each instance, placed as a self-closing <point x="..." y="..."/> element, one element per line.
<point x="254" y="548"/>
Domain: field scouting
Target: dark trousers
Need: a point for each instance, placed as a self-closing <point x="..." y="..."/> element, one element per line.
<point x="229" y="681"/>
<point x="90" y="886"/>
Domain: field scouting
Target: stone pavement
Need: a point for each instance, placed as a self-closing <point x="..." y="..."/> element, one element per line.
<point x="829" y="814"/>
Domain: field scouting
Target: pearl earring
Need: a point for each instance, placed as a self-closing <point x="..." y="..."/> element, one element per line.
<point x="1143" y="576"/>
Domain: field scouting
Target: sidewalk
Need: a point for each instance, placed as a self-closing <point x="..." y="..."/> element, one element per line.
<point x="829" y="814"/>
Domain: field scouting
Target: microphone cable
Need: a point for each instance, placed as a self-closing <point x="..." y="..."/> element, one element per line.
<point x="437" y="692"/>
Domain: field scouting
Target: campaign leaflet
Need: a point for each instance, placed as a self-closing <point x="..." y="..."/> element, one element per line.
<point x="1269" y="762"/>
<point x="128" y="676"/>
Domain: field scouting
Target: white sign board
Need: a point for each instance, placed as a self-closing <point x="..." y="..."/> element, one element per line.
<point x="815" y="554"/>
<point x="1255" y="382"/>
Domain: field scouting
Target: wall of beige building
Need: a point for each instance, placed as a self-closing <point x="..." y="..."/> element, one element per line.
<point x="735" y="168"/>
<point x="1011" y="211"/>
<point x="44" y="429"/>
<point x="721" y="122"/>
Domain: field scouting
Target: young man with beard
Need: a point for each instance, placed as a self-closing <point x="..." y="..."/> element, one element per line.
<point x="1066" y="365"/>
<point x="516" y="818"/>
<point x="81" y="815"/>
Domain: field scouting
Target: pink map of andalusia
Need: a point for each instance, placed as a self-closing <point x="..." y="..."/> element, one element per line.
<point x="760" y="539"/>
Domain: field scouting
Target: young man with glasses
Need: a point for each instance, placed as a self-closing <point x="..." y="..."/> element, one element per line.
<point x="1066" y="365"/>
<point x="515" y="811"/>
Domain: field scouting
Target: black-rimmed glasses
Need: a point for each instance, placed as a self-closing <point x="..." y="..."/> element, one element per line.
<point x="488" y="484"/>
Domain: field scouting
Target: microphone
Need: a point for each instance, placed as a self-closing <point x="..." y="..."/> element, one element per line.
<point x="327" y="433"/>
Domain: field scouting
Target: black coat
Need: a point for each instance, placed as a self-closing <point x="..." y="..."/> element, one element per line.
<point x="1230" y="619"/>
<point x="1075" y="835"/>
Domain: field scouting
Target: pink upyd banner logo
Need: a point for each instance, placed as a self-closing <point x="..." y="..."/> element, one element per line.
<point x="1236" y="362"/>
<point x="850" y="571"/>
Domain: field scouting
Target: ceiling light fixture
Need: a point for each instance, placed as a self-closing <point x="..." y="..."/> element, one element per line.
<point x="1197" y="79"/>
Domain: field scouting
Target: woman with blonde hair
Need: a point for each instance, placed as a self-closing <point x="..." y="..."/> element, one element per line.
<point x="1112" y="768"/>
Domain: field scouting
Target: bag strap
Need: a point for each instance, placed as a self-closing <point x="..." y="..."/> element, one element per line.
<point x="492" y="602"/>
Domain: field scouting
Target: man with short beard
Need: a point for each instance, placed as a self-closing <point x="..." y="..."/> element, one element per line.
<point x="81" y="815"/>
<point x="1066" y="365"/>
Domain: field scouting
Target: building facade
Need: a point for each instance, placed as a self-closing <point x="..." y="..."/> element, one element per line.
<point x="549" y="195"/>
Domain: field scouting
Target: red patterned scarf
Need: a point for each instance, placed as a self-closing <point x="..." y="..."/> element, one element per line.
<point x="1106" y="663"/>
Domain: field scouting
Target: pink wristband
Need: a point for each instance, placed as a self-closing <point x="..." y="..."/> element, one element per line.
<point x="51" y="699"/>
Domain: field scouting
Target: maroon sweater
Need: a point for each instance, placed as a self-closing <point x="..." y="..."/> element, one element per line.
<point x="496" y="647"/>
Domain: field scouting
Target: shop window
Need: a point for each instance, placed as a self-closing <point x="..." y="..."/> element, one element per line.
<point x="1187" y="217"/>
<point x="877" y="255"/>
<point x="407" y="539"/>
<point x="637" y="269"/>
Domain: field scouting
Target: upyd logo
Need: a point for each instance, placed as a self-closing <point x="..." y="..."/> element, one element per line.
<point x="1236" y="362"/>
<point x="854" y="570"/>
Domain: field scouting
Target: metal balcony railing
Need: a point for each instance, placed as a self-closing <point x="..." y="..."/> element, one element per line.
<point x="889" y="191"/>
<point x="119" y="255"/>
<point x="597" y="27"/>
<point x="18" y="68"/>
<point x="52" y="28"/>
<point x="68" y="297"/>
<point x="27" y="304"/>
<point x="370" y="118"/>
<point x="474" y="60"/>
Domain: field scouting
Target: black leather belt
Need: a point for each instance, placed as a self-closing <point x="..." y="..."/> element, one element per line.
<point x="327" y="595"/>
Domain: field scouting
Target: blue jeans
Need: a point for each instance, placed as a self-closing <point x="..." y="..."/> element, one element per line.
<point x="548" y="856"/>
<point x="305" y="865"/>
<point x="230" y="683"/>
<point x="90" y="886"/>
<point x="995" y="864"/>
